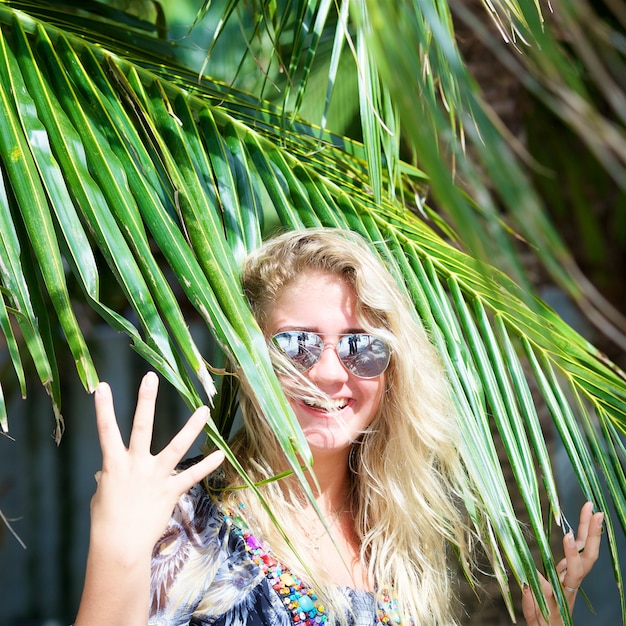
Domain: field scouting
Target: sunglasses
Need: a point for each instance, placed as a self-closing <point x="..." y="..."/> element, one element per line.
<point x="363" y="355"/>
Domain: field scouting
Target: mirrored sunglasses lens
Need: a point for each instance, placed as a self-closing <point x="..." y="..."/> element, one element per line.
<point x="364" y="355"/>
<point x="302" y="348"/>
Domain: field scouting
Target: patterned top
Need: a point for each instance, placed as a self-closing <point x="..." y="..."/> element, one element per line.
<point x="203" y="574"/>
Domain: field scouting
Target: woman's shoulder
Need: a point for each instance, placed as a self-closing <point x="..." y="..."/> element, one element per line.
<point x="197" y="555"/>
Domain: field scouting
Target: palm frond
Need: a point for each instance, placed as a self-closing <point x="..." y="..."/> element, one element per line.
<point x="554" y="57"/>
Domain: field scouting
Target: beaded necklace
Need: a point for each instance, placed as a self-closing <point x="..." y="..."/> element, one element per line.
<point x="299" y="599"/>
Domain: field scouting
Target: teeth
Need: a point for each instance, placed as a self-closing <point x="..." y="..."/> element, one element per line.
<point x="329" y="405"/>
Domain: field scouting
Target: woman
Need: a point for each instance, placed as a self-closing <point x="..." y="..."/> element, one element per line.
<point x="371" y="397"/>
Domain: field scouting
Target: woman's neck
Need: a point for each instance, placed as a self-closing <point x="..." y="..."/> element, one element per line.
<point x="330" y="482"/>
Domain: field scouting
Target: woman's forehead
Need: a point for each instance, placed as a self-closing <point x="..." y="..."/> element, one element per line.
<point x="314" y="300"/>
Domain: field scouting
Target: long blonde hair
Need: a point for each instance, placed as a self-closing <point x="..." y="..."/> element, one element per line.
<point x="407" y="478"/>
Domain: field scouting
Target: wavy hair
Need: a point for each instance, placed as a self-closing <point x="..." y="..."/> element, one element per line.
<point x="408" y="482"/>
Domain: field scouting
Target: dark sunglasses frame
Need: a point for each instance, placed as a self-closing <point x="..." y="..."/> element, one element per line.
<point x="369" y="361"/>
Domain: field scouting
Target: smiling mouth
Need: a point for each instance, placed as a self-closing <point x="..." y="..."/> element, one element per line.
<point x="328" y="406"/>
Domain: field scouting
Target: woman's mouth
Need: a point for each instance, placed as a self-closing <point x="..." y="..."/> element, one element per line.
<point x="327" y="406"/>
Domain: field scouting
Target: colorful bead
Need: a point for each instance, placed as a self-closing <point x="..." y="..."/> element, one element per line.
<point x="300" y="600"/>
<point x="387" y="612"/>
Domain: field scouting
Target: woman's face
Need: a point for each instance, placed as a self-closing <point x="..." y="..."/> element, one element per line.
<point x="324" y="303"/>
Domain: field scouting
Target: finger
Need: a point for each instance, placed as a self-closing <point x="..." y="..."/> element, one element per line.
<point x="579" y="563"/>
<point x="141" y="433"/>
<point x="180" y="444"/>
<point x="530" y="607"/>
<point x="555" y="618"/>
<point x="586" y="513"/>
<point x="109" y="435"/>
<point x="587" y="541"/>
<point x="592" y="544"/>
<point x="574" y="572"/>
<point x="580" y="553"/>
<point x="194" y="474"/>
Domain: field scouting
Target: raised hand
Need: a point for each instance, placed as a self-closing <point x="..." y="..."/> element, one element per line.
<point x="581" y="553"/>
<point x="135" y="496"/>
<point x="137" y="491"/>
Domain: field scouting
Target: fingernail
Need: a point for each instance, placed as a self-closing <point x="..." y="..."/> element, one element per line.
<point x="101" y="389"/>
<point x="570" y="539"/>
<point x="150" y="380"/>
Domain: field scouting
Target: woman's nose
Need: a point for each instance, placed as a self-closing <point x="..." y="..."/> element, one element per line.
<point x="328" y="368"/>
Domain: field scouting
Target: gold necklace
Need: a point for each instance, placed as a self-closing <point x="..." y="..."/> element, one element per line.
<point x="314" y="539"/>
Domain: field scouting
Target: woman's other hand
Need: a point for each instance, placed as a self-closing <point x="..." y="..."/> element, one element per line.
<point x="581" y="553"/>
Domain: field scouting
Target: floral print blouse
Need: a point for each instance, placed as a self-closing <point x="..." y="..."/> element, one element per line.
<point x="203" y="574"/>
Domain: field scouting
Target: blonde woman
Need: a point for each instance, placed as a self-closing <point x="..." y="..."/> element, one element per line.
<point x="371" y="397"/>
